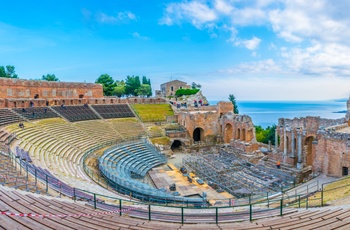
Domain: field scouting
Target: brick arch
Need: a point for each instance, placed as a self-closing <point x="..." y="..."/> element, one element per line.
<point x="308" y="147"/>
<point x="198" y="134"/>
<point x="228" y="132"/>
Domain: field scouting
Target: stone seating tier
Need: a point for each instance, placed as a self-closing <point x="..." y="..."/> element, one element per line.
<point x="113" y="111"/>
<point x="76" y="113"/>
<point x="33" y="113"/>
<point x="8" y="117"/>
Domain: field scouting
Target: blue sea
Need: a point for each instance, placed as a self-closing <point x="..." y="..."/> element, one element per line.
<point x="266" y="113"/>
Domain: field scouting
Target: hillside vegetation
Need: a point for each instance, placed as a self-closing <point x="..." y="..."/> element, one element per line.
<point x="153" y="112"/>
<point x="338" y="190"/>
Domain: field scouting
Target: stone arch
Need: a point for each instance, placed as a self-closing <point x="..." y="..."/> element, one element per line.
<point x="308" y="150"/>
<point x="175" y="146"/>
<point x="238" y="136"/>
<point x="228" y="133"/>
<point x="198" y="134"/>
<point x="243" y="135"/>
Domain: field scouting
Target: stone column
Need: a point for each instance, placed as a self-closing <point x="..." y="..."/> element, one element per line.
<point x="269" y="146"/>
<point x="293" y="144"/>
<point x="276" y="139"/>
<point x="300" y="162"/>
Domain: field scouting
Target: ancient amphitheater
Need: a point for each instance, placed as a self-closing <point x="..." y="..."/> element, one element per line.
<point x="73" y="159"/>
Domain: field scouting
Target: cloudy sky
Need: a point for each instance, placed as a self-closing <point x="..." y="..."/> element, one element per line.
<point x="255" y="49"/>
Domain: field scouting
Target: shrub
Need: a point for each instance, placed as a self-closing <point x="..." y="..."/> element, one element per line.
<point x="181" y="92"/>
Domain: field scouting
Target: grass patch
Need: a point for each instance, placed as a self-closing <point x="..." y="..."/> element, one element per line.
<point x="161" y="140"/>
<point x="334" y="191"/>
<point x="155" y="131"/>
<point x="153" y="112"/>
<point x="123" y="120"/>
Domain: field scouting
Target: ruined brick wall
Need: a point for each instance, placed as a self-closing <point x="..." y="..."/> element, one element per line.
<point x="239" y="130"/>
<point x="332" y="153"/>
<point x="205" y="120"/>
<point x="220" y="122"/>
<point x="28" y="89"/>
<point x="322" y="147"/>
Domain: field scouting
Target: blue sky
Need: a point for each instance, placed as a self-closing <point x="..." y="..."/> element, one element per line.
<point x="255" y="49"/>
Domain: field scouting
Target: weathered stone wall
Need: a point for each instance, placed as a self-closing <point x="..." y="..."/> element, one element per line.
<point x="169" y="88"/>
<point x="22" y="89"/>
<point x="322" y="147"/>
<point x="239" y="131"/>
<point x="205" y="120"/>
<point x="331" y="156"/>
<point x="219" y="122"/>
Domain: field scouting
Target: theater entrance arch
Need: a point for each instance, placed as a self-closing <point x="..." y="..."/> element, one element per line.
<point x="308" y="150"/>
<point x="228" y="133"/>
<point x="176" y="145"/>
<point x="198" y="134"/>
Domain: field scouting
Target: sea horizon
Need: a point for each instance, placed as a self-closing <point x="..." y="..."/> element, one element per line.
<point x="266" y="113"/>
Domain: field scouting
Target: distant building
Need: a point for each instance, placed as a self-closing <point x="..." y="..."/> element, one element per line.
<point x="169" y="88"/>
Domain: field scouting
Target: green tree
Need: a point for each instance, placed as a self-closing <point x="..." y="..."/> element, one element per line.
<point x="132" y="84"/>
<point x="146" y="81"/>
<point x="194" y="85"/>
<point x="49" y="77"/>
<point x="144" y="90"/>
<point x="265" y="135"/>
<point x="108" y="84"/>
<point x="8" y="71"/>
<point x="232" y="99"/>
<point x="119" y="89"/>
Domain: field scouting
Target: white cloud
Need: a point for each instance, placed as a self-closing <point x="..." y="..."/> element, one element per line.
<point x="223" y="7"/>
<point x="267" y="66"/>
<point x="119" y="17"/>
<point x="195" y="12"/>
<point x="251" y="44"/>
<point x="326" y="21"/>
<point x="330" y="60"/>
<point x="316" y="34"/>
<point x="137" y="35"/>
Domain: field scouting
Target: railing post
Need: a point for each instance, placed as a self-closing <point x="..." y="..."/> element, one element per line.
<point x="36" y="178"/>
<point x="74" y="197"/>
<point x="149" y="212"/>
<point x="182" y="215"/>
<point x="267" y="198"/>
<point x="250" y="212"/>
<point x="216" y="215"/>
<point x="47" y="184"/>
<point x="27" y="172"/>
<point x="120" y="207"/>
<point x="322" y="196"/>
<point x="281" y="207"/>
<point x="94" y="200"/>
<point x="299" y="201"/>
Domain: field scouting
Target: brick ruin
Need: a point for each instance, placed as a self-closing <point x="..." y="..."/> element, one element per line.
<point x="310" y="144"/>
<point x="218" y="124"/>
<point x="18" y="93"/>
<point x="322" y="145"/>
